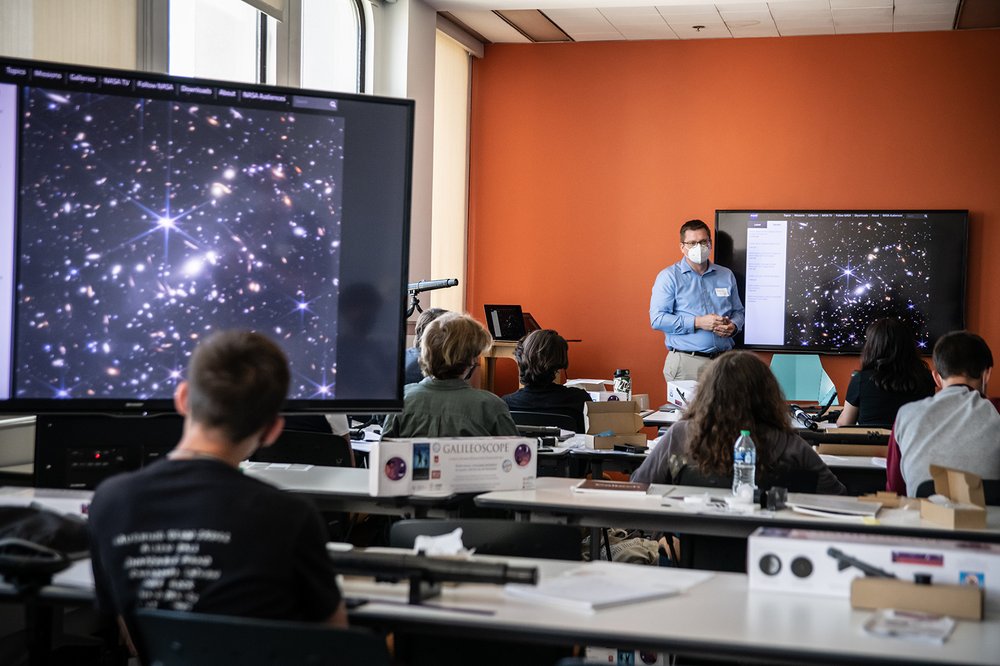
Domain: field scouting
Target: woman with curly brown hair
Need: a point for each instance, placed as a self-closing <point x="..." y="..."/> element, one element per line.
<point x="737" y="391"/>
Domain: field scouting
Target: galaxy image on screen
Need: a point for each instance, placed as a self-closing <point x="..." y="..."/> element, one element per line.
<point x="839" y="283"/>
<point x="146" y="224"/>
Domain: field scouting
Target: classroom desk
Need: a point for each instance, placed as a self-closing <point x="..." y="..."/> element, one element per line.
<point x="346" y="489"/>
<point x="554" y="501"/>
<point x="719" y="618"/>
<point x="499" y="349"/>
<point x="861" y="474"/>
<point x="654" y="418"/>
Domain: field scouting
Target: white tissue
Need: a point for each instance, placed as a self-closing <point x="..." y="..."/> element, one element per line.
<point x="446" y="544"/>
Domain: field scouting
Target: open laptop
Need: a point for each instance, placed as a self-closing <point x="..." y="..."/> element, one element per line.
<point x="505" y="322"/>
<point x="509" y="322"/>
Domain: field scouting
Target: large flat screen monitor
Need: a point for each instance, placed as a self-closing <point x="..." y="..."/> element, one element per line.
<point x="814" y="280"/>
<point x="139" y="213"/>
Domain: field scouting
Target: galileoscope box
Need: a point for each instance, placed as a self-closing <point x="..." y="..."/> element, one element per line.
<point x="444" y="465"/>
<point x="680" y="392"/>
<point x="825" y="563"/>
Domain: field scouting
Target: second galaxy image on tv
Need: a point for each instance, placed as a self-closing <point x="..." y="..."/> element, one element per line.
<point x="839" y="283"/>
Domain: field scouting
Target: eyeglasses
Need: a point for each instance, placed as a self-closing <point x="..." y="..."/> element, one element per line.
<point x="691" y="244"/>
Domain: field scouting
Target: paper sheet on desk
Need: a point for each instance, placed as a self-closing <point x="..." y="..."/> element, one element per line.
<point x="600" y="585"/>
<point x="79" y="574"/>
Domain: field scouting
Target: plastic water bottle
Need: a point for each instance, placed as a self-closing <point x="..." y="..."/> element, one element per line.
<point x="744" y="466"/>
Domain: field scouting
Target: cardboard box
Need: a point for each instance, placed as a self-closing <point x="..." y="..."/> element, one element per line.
<point x="887" y="499"/>
<point x="823" y="563"/>
<point x="967" y="508"/>
<point x="445" y="465"/>
<point x="620" y="418"/>
<point x="591" y="384"/>
<point x="964" y="602"/>
<point x="681" y="391"/>
<point x="601" y="390"/>
<point x="867" y="450"/>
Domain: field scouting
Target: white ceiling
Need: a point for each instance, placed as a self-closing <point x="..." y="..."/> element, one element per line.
<point x="676" y="19"/>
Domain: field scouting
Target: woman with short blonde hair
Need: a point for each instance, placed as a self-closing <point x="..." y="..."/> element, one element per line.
<point x="451" y="345"/>
<point x="443" y="404"/>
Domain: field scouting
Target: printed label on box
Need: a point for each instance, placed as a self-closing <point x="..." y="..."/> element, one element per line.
<point x="444" y="465"/>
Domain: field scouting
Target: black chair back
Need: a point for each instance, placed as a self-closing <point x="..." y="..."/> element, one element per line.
<point x="172" y="638"/>
<point x="563" y="421"/>
<point x="313" y="448"/>
<point x="991" y="490"/>
<point x="729" y="553"/>
<point x="796" y="481"/>
<point x="496" y="537"/>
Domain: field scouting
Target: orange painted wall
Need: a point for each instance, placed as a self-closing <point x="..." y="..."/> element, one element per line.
<point x="586" y="158"/>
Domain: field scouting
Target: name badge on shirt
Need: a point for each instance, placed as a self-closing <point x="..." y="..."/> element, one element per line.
<point x="722" y="292"/>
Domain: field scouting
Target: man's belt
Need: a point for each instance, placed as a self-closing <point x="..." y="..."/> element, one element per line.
<point x="697" y="353"/>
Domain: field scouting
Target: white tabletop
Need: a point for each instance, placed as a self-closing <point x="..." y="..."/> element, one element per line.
<point x="64" y="501"/>
<point x="346" y="489"/>
<point x="718" y="617"/>
<point x="553" y="500"/>
<point x="853" y="462"/>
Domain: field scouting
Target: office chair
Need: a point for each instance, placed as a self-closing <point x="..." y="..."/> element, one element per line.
<point x="496" y="537"/>
<point x="728" y="553"/>
<point x="313" y="448"/>
<point x="991" y="490"/>
<point x="562" y="421"/>
<point x="488" y="537"/>
<point x="172" y="638"/>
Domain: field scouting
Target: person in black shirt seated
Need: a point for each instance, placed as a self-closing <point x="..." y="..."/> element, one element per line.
<point x="540" y="355"/>
<point x="192" y="532"/>
<point x="413" y="371"/>
<point x="891" y="375"/>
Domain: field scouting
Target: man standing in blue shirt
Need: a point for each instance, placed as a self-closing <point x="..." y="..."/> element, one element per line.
<point x="696" y="305"/>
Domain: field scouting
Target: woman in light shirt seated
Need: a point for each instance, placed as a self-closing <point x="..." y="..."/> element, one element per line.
<point x="737" y="391"/>
<point x="443" y="404"/>
<point x="413" y="374"/>
<point x="540" y="355"/>
<point x="891" y="375"/>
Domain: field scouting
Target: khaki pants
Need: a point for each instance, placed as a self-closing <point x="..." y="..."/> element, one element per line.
<point x="683" y="366"/>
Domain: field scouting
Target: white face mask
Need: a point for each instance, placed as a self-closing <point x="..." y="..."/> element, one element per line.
<point x="698" y="254"/>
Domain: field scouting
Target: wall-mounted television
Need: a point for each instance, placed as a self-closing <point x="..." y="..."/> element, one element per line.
<point x="140" y="212"/>
<point x="813" y="280"/>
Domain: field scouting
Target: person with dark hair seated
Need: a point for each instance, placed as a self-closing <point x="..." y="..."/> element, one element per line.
<point x="891" y="375"/>
<point x="192" y="532"/>
<point x="443" y="404"/>
<point x="540" y="356"/>
<point x="413" y="373"/>
<point x="737" y="391"/>
<point x="959" y="427"/>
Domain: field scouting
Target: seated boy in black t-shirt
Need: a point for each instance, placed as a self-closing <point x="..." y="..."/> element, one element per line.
<point x="191" y="532"/>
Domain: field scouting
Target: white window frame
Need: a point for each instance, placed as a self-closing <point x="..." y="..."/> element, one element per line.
<point x="153" y="40"/>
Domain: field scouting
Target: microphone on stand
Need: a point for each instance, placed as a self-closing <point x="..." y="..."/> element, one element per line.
<point x="415" y="288"/>
<point x="430" y="285"/>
